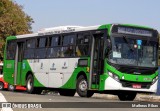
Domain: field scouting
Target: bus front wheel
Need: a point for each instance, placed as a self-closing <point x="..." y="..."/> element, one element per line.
<point x="30" y="86"/>
<point x="127" y="96"/>
<point x="1" y="86"/>
<point x="82" y="87"/>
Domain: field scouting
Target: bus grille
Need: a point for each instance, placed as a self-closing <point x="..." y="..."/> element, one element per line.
<point x="132" y="70"/>
<point x="145" y="85"/>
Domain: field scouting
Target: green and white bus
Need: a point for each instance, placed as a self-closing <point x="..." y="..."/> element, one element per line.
<point x="119" y="59"/>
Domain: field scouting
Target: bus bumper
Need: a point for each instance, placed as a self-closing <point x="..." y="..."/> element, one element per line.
<point x="111" y="84"/>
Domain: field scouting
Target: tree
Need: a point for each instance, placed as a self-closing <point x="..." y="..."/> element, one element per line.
<point x="13" y="21"/>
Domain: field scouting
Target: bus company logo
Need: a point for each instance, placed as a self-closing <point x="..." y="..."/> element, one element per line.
<point x="9" y="65"/>
<point x="64" y="65"/>
<point x="53" y="67"/>
<point x="41" y="66"/>
<point x="136" y="73"/>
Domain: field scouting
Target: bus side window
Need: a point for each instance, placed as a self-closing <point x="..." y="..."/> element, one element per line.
<point x="40" y="51"/>
<point x="29" y="50"/>
<point x="69" y="40"/>
<point x="54" y="47"/>
<point x="82" y="48"/>
<point x="11" y="49"/>
<point x="68" y="49"/>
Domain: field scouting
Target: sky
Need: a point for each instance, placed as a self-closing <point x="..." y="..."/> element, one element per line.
<point x="52" y="13"/>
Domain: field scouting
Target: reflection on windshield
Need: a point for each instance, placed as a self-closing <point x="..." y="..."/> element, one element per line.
<point x="127" y="51"/>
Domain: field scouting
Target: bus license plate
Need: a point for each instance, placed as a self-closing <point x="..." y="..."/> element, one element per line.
<point x="137" y="86"/>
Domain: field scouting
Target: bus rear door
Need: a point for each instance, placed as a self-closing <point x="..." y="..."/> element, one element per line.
<point x="18" y="63"/>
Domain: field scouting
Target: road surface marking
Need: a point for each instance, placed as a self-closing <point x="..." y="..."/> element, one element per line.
<point x="2" y="99"/>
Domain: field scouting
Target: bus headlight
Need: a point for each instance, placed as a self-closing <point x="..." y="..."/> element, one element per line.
<point x="114" y="76"/>
<point x="154" y="80"/>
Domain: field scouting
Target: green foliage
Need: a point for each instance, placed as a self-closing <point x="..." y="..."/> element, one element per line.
<point x="13" y="21"/>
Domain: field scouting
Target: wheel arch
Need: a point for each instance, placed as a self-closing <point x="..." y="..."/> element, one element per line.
<point x="81" y="73"/>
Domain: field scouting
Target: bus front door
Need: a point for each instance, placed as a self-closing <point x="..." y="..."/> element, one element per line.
<point x="97" y="60"/>
<point x="18" y="63"/>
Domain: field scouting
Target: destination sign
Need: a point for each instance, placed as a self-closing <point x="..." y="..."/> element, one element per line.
<point x="134" y="31"/>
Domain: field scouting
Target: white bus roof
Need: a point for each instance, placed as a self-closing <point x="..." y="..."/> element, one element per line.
<point x="59" y="30"/>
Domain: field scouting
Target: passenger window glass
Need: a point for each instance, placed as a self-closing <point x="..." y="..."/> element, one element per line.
<point x="55" y="41"/>
<point x="11" y="49"/>
<point x="68" y="51"/>
<point x="54" y="52"/>
<point x="29" y="53"/>
<point x="83" y="39"/>
<point x="41" y="42"/>
<point x="69" y="40"/>
<point x="31" y="43"/>
<point x="40" y="53"/>
<point x="82" y="48"/>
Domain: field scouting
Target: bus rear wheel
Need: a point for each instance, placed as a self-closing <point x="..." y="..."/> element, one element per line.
<point x="1" y="86"/>
<point x="67" y="92"/>
<point x="30" y="86"/>
<point x="82" y="87"/>
<point x="127" y="96"/>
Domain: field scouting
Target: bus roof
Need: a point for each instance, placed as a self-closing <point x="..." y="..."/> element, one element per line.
<point x="58" y="30"/>
<point x="71" y="28"/>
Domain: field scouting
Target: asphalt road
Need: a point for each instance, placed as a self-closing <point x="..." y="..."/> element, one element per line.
<point x="75" y="103"/>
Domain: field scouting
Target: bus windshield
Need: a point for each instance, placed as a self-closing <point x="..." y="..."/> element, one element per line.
<point x="133" y="51"/>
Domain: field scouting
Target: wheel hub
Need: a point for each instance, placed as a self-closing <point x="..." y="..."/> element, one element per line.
<point x="29" y="84"/>
<point x="83" y="85"/>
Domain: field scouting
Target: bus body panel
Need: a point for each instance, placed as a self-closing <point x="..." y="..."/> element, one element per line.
<point x="53" y="73"/>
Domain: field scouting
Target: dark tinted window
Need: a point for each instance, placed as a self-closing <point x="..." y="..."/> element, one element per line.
<point x="40" y="53"/>
<point x="31" y="43"/>
<point x="41" y="42"/>
<point x="69" y="40"/>
<point x="54" y="52"/>
<point x="55" y="41"/>
<point x="83" y="39"/>
<point x="29" y="53"/>
<point x="11" y="50"/>
<point x="68" y="51"/>
<point x="82" y="48"/>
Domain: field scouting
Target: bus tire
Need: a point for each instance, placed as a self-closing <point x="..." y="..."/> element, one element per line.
<point x="127" y="96"/>
<point x="67" y="92"/>
<point x="82" y="87"/>
<point x="30" y="86"/>
<point x="1" y="85"/>
<point x="11" y="87"/>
